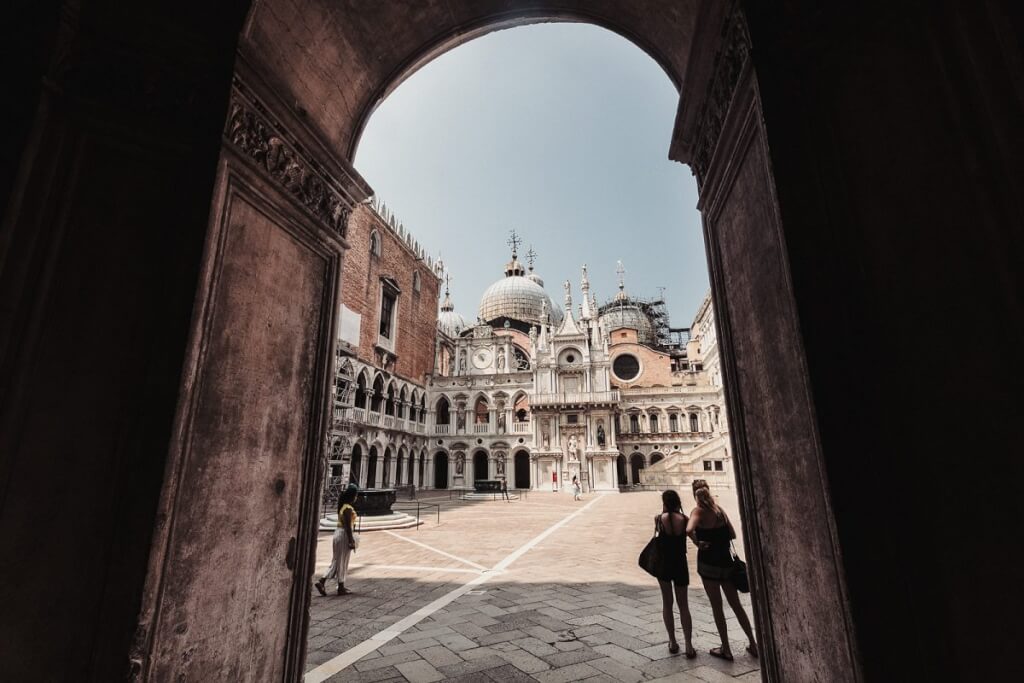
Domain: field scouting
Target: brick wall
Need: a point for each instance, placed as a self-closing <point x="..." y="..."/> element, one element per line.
<point x="360" y="293"/>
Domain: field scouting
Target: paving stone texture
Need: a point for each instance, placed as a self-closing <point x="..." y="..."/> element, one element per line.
<point x="573" y="607"/>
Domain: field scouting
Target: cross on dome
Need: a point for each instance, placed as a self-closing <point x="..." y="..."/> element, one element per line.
<point x="514" y="241"/>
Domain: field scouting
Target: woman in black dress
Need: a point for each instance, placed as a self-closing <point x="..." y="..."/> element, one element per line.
<point x="671" y="526"/>
<point x="711" y="530"/>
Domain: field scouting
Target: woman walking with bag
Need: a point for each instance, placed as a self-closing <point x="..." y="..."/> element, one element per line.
<point x="711" y="530"/>
<point x="671" y="571"/>
<point x="343" y="544"/>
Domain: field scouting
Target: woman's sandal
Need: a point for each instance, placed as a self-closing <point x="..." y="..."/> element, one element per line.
<point x="691" y="654"/>
<point x="321" y="588"/>
<point x="717" y="652"/>
<point x="673" y="648"/>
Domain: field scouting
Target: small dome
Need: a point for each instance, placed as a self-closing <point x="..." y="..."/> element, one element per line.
<point x="451" y="323"/>
<point x="624" y="313"/>
<point x="532" y="276"/>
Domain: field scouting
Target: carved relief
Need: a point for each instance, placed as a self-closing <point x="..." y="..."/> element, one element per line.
<point x="729" y="63"/>
<point x="250" y="130"/>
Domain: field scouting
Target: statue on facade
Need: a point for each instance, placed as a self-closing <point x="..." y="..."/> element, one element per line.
<point x="500" y="466"/>
<point x="462" y="362"/>
<point x="600" y="434"/>
<point x="572" y="448"/>
<point x="460" y="421"/>
<point x="460" y="463"/>
<point x="501" y="422"/>
<point x="501" y="359"/>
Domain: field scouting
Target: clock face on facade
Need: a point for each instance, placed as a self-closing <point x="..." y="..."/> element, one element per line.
<point x="482" y="358"/>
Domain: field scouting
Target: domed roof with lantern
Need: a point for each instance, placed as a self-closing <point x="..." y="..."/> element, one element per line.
<point x="448" y="321"/>
<point x="623" y="311"/>
<point x="519" y="297"/>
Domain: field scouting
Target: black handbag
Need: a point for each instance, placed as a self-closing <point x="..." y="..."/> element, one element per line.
<point x="650" y="559"/>
<point x="738" y="574"/>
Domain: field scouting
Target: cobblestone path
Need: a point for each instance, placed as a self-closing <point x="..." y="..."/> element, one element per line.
<point x="542" y="589"/>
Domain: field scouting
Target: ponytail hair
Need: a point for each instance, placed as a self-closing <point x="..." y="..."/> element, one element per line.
<point x="670" y="499"/>
<point x="706" y="502"/>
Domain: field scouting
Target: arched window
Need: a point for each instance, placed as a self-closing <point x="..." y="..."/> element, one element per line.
<point x="416" y="281"/>
<point x="442" y="414"/>
<point x="400" y="408"/>
<point x="378" y="394"/>
<point x="673" y="422"/>
<point x="694" y="423"/>
<point x="634" y="424"/>
<point x="654" y="423"/>
<point x="481" y="412"/>
<point x="374" y="243"/>
<point x="361" y="391"/>
<point x="521" y="360"/>
<point x="521" y="409"/>
<point x="423" y="409"/>
<point x="389" y="405"/>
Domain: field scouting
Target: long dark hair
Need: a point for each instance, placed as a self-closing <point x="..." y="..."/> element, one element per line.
<point x="670" y="499"/>
<point x="347" y="496"/>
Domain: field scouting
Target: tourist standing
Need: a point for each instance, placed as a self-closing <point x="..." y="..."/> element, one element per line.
<point x="343" y="543"/>
<point x="504" y="489"/>
<point x="576" y="490"/>
<point x="671" y="526"/>
<point x="711" y="530"/>
<point x="554" y="481"/>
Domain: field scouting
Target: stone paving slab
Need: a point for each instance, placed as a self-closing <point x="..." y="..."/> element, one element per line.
<point x="573" y="607"/>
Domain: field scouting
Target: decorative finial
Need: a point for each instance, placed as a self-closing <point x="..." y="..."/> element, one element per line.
<point x="621" y="270"/>
<point x="585" y="281"/>
<point x="568" y="296"/>
<point x="447" y="283"/>
<point x="531" y="256"/>
<point x="514" y="241"/>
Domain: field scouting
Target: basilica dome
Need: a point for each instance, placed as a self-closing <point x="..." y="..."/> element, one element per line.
<point x="517" y="298"/>
<point x="623" y="311"/>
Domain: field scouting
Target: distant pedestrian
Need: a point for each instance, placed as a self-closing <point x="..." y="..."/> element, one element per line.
<point x="343" y="543"/>
<point x="711" y="530"/>
<point x="504" y="489"/>
<point x="674" y="574"/>
<point x="554" y="481"/>
<point x="576" y="490"/>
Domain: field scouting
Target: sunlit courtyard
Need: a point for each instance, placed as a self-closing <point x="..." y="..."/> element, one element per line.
<point x="541" y="588"/>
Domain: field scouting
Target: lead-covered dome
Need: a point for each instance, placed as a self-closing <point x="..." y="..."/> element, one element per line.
<point x="517" y="298"/>
<point x="622" y="311"/>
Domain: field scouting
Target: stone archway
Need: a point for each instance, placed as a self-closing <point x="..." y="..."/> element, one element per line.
<point x="440" y="470"/>
<point x="522" y="470"/>
<point x="481" y="466"/>
<point x="636" y="465"/>
<point x="620" y="470"/>
<point x="835" y="93"/>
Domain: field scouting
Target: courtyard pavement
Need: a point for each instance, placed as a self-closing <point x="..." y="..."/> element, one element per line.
<point x="542" y="589"/>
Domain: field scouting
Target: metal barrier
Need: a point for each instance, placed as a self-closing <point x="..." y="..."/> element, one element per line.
<point x="417" y="505"/>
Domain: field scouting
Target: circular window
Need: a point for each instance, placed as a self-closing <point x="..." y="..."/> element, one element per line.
<point x="626" y="367"/>
<point x="570" y="358"/>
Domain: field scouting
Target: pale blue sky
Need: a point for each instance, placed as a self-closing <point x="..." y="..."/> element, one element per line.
<point x="560" y="131"/>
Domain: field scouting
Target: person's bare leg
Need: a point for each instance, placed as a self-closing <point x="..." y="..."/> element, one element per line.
<point x="714" y="589"/>
<point x="733" y="597"/>
<point x="684" y="618"/>
<point x="666" y="612"/>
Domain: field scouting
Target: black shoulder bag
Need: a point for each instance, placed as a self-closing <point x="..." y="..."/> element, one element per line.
<point x="738" y="574"/>
<point x="650" y="559"/>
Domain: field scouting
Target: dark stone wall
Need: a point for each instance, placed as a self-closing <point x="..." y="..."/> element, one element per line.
<point x="104" y="222"/>
<point x="896" y="143"/>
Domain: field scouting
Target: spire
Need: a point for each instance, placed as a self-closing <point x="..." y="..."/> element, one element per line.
<point x="568" y="296"/>
<point x="586" y="312"/>
<point x="446" y="305"/>
<point x="531" y="256"/>
<point x="622" y="282"/>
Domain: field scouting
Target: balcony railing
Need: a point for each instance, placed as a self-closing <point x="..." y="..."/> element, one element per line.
<point x="520" y="427"/>
<point x="575" y="397"/>
<point x="359" y="414"/>
<point x="387" y="421"/>
<point x="482" y="428"/>
<point x="442" y="429"/>
<point x="373" y="418"/>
